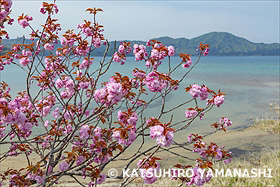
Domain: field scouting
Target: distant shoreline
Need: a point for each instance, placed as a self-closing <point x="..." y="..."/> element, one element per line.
<point x="221" y="44"/>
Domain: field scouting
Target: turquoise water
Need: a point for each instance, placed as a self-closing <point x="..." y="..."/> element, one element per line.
<point x="251" y="83"/>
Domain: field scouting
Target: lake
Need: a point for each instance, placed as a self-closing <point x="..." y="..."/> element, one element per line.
<point x="251" y="84"/>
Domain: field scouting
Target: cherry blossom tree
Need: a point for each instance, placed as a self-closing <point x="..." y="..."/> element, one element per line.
<point x="86" y="123"/>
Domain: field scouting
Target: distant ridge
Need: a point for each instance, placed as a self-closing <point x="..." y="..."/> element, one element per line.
<point x="221" y="44"/>
<point x="224" y="44"/>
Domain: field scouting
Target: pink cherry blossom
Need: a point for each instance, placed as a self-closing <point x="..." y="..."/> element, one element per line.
<point x="191" y="113"/>
<point x="228" y="161"/>
<point x="195" y="90"/>
<point x="199" y="91"/>
<point x="100" y="95"/>
<point x="80" y="160"/>
<point x="49" y="46"/>
<point x="226" y="122"/>
<point x="154" y="83"/>
<point x="187" y="64"/>
<point x="171" y="51"/>
<point x="24" y="23"/>
<point x="59" y="83"/>
<point x="101" y="179"/>
<point x="24" y="61"/>
<point x="206" y="52"/>
<point x="63" y="166"/>
<point x="84" y="132"/>
<point x="219" y="100"/>
<point x="55" y="113"/>
<point x="190" y="139"/>
<point x="156" y="131"/>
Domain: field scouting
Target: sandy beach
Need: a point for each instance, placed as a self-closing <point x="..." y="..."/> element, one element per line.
<point x="245" y="142"/>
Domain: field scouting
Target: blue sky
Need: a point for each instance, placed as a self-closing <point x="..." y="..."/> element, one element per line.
<point x="257" y="21"/>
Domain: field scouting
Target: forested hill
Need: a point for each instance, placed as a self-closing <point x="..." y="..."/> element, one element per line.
<point x="221" y="44"/>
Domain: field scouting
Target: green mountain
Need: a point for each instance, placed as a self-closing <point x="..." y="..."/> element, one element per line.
<point x="221" y="43"/>
<point x="224" y="44"/>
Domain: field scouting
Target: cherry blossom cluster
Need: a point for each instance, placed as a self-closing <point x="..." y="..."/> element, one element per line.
<point x="24" y="59"/>
<point x="84" y="83"/>
<point x="149" y="166"/>
<point x="203" y="48"/>
<point x="217" y="99"/>
<point x="5" y="60"/>
<point x="23" y="20"/>
<point x="68" y="39"/>
<point x="139" y="75"/>
<point x="19" y="113"/>
<point x="203" y="92"/>
<point x="86" y="28"/>
<point x="16" y="179"/>
<point x="95" y="32"/>
<point x="44" y="106"/>
<point x="4" y="95"/>
<point x="67" y="83"/>
<point x="86" y="63"/>
<point x="126" y="134"/>
<point x="141" y="80"/>
<point x="194" y="138"/>
<point x="99" y="180"/>
<point x="53" y="64"/>
<point x="71" y="111"/>
<point x="22" y="52"/>
<point x="197" y="178"/>
<point x="211" y="151"/>
<point x="128" y="117"/>
<point x="110" y="94"/>
<point x="49" y="46"/>
<point x="140" y="52"/>
<point x="123" y="50"/>
<point x="98" y="177"/>
<point x="113" y="91"/>
<point x="82" y="49"/>
<point x="72" y="42"/>
<point x="158" y="53"/>
<point x="193" y="112"/>
<point x="99" y="138"/>
<point x="45" y="79"/>
<point x="156" y="82"/>
<point x="50" y="8"/>
<point x="16" y="149"/>
<point x="186" y="60"/>
<point x="206" y="51"/>
<point x="37" y="178"/>
<point x="171" y="50"/>
<point x="162" y="132"/>
<point x="197" y="91"/>
<point x="224" y="122"/>
<point x="5" y="7"/>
